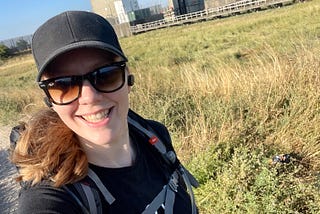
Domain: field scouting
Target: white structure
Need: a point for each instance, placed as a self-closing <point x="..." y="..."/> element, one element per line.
<point x="114" y="10"/>
<point x="121" y="13"/>
<point x="130" y="5"/>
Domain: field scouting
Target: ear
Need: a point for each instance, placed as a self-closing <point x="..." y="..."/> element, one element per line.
<point x="130" y="80"/>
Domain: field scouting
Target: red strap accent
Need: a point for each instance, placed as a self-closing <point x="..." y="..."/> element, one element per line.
<point x="85" y="183"/>
<point x="153" y="140"/>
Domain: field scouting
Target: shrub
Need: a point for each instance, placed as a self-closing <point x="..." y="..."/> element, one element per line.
<point x="4" y="52"/>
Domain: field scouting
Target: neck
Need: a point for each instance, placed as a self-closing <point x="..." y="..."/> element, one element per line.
<point x="112" y="155"/>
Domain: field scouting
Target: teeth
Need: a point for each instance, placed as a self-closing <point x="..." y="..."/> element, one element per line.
<point x="96" y="117"/>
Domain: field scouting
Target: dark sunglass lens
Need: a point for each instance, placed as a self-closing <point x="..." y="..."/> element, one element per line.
<point x="63" y="90"/>
<point x="109" y="79"/>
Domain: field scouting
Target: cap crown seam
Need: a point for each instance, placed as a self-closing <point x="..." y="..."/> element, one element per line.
<point x="71" y="30"/>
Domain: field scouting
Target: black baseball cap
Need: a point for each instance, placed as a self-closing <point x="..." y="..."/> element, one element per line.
<point x="71" y="30"/>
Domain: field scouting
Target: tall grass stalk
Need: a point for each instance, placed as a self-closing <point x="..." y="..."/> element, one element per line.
<point x="234" y="93"/>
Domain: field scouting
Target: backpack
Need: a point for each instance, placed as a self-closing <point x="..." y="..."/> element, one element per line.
<point x="86" y="191"/>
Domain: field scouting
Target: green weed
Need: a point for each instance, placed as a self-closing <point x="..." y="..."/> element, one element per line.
<point x="234" y="93"/>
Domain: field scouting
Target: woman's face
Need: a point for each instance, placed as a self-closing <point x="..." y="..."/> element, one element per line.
<point x="96" y="118"/>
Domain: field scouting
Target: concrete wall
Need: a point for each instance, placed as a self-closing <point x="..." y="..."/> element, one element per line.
<point x="106" y="9"/>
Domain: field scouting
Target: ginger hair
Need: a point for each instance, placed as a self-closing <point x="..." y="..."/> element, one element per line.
<point x="49" y="150"/>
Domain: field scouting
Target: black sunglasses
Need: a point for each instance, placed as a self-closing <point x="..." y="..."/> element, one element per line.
<point x="66" y="89"/>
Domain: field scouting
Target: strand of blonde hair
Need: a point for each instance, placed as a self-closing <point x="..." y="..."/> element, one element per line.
<point x="49" y="150"/>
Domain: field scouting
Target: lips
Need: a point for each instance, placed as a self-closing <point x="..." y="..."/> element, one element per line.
<point x="97" y="117"/>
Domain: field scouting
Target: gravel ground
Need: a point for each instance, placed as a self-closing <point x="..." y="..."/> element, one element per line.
<point x="8" y="186"/>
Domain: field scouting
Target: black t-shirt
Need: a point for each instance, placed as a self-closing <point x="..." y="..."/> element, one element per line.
<point x="133" y="187"/>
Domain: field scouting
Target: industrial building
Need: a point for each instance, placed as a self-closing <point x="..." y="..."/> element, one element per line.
<point x="115" y="11"/>
<point x="125" y="13"/>
<point x="181" y="7"/>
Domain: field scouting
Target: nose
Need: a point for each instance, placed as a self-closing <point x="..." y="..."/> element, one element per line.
<point x="88" y="93"/>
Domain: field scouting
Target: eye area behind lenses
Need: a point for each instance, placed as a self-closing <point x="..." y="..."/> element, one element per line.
<point x="107" y="79"/>
<point x="66" y="89"/>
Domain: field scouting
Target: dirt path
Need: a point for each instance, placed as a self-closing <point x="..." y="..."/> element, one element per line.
<point x="8" y="187"/>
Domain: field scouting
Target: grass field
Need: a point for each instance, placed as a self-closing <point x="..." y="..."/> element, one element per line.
<point x="234" y="93"/>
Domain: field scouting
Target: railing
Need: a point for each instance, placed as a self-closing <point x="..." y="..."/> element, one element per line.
<point x="211" y="13"/>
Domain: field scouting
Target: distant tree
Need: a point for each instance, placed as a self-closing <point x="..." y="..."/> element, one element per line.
<point x="4" y="51"/>
<point x="22" y="45"/>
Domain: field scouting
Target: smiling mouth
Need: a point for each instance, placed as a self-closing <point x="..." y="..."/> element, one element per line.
<point x="98" y="116"/>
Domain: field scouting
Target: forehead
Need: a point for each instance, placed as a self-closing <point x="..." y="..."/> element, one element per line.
<point x="79" y="62"/>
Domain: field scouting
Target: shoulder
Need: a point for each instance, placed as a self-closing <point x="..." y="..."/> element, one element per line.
<point x="158" y="128"/>
<point x="161" y="131"/>
<point x="45" y="198"/>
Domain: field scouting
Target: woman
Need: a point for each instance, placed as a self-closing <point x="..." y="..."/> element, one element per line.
<point x="80" y="155"/>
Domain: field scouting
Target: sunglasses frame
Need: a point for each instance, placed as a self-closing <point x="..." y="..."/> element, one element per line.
<point x="78" y="79"/>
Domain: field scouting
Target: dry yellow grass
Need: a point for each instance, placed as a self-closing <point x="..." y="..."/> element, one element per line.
<point x="234" y="93"/>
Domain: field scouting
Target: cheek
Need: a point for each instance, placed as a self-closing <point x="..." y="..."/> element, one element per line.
<point x="121" y="96"/>
<point x="124" y="98"/>
<point x="64" y="112"/>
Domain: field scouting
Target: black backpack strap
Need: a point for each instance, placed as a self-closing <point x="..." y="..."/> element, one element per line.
<point x="105" y="192"/>
<point x="88" y="196"/>
<point x="158" y="128"/>
<point x="165" y="149"/>
<point x="169" y="156"/>
<point x="76" y="198"/>
<point x="166" y="196"/>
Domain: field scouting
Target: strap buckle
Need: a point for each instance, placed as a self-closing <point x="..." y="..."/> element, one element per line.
<point x="174" y="183"/>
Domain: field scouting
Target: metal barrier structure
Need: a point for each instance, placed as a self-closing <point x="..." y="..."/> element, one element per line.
<point x="211" y="13"/>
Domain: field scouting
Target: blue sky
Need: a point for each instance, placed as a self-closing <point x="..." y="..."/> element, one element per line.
<point x="22" y="17"/>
